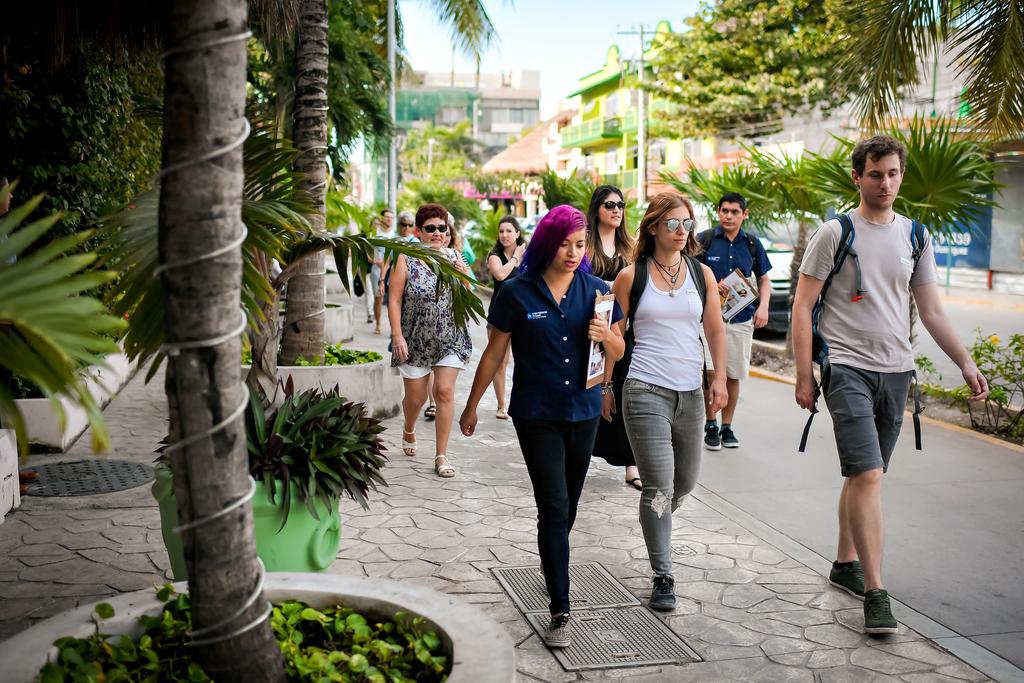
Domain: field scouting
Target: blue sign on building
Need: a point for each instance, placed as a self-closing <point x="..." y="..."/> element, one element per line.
<point x="970" y="245"/>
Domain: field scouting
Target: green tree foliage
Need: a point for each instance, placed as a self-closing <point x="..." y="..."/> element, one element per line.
<point x="438" y="153"/>
<point x="77" y="133"/>
<point x="743" y="64"/>
<point x="420" y="192"/>
<point x="890" y="42"/>
<point x="706" y="186"/>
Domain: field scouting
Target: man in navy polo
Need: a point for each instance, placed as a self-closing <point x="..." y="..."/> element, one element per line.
<point x="727" y="248"/>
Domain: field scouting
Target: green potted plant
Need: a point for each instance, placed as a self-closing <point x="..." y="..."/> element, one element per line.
<point x="303" y="456"/>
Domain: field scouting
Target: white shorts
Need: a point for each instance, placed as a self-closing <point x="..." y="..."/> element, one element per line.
<point x="739" y="339"/>
<point x="416" y="372"/>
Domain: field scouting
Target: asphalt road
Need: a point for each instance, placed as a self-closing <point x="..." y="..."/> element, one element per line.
<point x="954" y="512"/>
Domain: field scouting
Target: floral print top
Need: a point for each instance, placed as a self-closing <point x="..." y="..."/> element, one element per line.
<point x="428" y="323"/>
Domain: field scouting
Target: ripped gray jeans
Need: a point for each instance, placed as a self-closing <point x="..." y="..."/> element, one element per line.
<point x="666" y="430"/>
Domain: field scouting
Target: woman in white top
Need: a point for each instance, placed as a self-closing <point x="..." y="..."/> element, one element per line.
<point x="662" y="396"/>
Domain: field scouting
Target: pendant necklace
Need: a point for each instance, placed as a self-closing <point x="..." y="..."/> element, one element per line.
<point x="671" y="277"/>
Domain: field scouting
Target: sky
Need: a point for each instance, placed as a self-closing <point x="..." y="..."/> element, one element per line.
<point x="563" y="39"/>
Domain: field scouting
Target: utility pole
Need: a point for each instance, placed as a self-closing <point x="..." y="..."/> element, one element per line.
<point x="641" y="125"/>
<point x="392" y="193"/>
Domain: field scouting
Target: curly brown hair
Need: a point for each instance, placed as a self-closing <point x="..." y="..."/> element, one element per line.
<point x="875" y="148"/>
<point x="428" y="211"/>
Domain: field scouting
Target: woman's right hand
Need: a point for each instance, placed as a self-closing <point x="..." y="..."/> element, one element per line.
<point x="400" y="348"/>
<point x="608" y="408"/>
<point x="467" y="423"/>
<point x="518" y="253"/>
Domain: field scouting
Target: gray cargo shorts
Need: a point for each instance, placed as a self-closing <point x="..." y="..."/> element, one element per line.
<point x="867" y="414"/>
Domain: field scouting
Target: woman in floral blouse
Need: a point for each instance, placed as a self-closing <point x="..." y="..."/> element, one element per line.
<point x="424" y="336"/>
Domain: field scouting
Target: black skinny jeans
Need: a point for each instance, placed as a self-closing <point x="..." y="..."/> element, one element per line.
<point x="557" y="456"/>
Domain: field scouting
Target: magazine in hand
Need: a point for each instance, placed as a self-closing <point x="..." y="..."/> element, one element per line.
<point x="741" y="293"/>
<point x="603" y="305"/>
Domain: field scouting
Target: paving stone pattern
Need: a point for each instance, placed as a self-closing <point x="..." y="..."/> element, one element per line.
<point x="751" y="612"/>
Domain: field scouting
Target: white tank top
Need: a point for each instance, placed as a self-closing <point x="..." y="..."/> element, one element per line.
<point x="668" y="352"/>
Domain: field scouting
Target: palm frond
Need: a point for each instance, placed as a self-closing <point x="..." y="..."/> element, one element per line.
<point x="706" y="186"/>
<point x="49" y="327"/>
<point x="273" y="211"/>
<point x="471" y="27"/>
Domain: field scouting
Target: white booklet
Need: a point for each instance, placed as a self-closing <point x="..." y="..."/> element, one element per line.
<point x="741" y="292"/>
<point x="603" y="305"/>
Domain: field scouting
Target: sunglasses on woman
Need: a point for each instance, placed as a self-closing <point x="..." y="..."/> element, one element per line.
<point x="673" y="224"/>
<point x="431" y="229"/>
<point x="614" y="205"/>
<point x="405" y="225"/>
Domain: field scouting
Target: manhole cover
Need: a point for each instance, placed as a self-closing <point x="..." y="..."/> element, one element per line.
<point x="590" y="586"/>
<point x="623" y="637"/>
<point x="88" y="477"/>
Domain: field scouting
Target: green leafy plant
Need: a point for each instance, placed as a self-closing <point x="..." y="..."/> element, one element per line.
<point x="332" y="644"/>
<point x="707" y="186"/>
<point x="49" y="326"/>
<point x="336" y="354"/>
<point x="321" y="442"/>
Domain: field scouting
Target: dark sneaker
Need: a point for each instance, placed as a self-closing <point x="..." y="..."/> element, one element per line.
<point x="848" y="577"/>
<point x="729" y="439"/>
<point x="878" y="618"/>
<point x="711" y="440"/>
<point x="557" y="634"/>
<point x="663" y="595"/>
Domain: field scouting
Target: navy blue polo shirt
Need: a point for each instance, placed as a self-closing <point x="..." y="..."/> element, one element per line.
<point x="550" y="346"/>
<point x="724" y="256"/>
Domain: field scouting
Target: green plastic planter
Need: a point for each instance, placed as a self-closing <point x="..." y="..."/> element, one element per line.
<point x="305" y="544"/>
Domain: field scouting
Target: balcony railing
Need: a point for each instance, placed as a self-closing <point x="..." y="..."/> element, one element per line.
<point x="591" y="132"/>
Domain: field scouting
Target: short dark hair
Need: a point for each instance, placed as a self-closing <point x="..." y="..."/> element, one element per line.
<point x="428" y="211"/>
<point x="733" y="198"/>
<point x="386" y="210"/>
<point x="875" y="148"/>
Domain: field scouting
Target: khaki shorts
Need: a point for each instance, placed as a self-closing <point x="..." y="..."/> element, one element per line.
<point x="738" y="340"/>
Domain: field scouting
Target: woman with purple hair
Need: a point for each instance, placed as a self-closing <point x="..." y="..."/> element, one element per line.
<point x="547" y="315"/>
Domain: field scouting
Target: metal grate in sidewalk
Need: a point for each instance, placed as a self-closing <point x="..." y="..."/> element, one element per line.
<point x="88" y="477"/>
<point x="590" y="587"/>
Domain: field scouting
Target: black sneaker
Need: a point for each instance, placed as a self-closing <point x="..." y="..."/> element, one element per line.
<point x="878" y="618"/>
<point x="849" y="577"/>
<point x="557" y="634"/>
<point x="711" y="440"/>
<point x="729" y="439"/>
<point x="663" y="595"/>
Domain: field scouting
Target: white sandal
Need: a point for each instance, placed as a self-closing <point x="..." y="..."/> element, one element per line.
<point x="408" y="447"/>
<point x="442" y="467"/>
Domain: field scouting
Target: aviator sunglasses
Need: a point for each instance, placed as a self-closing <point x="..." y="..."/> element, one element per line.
<point x="673" y="224"/>
<point x="431" y="229"/>
<point x="614" y="205"/>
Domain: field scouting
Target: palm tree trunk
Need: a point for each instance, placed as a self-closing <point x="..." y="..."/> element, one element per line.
<point x="200" y="211"/>
<point x="803" y="232"/>
<point x="303" y="333"/>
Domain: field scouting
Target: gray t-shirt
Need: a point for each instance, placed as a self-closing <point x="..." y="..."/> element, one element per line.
<point x="873" y="333"/>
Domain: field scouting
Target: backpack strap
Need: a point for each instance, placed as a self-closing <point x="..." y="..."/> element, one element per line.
<point x="640" y="272"/>
<point x="917" y="241"/>
<point x="917" y="247"/>
<point x="704" y="240"/>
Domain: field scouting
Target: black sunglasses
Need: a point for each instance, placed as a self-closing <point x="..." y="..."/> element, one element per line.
<point x="614" y="205"/>
<point x="431" y="229"/>
<point x="405" y="225"/>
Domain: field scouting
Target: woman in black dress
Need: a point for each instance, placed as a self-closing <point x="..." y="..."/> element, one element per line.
<point x="503" y="263"/>
<point x="609" y="248"/>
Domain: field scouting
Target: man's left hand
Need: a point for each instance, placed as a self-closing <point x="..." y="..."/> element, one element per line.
<point x="976" y="381"/>
<point x="760" y="317"/>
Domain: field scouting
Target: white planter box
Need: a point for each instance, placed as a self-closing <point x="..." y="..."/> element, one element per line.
<point x="339" y="324"/>
<point x="10" y="494"/>
<point x="373" y="384"/>
<point x="42" y="420"/>
<point x="479" y="648"/>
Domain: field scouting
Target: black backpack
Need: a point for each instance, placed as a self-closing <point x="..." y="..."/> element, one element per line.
<point x="819" y="347"/>
<point x="641" y="270"/>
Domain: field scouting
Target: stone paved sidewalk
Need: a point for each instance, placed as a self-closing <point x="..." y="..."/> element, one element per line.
<point x="750" y="611"/>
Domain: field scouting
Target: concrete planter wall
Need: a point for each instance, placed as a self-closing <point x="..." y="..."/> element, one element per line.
<point x="373" y="384"/>
<point x="42" y="419"/>
<point x="10" y="494"/>
<point x="480" y="649"/>
<point x="339" y="324"/>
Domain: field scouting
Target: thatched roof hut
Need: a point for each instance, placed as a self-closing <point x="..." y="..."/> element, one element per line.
<point x="528" y="156"/>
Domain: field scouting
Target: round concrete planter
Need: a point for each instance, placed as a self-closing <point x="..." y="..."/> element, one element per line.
<point x="372" y="384"/>
<point x="305" y="543"/>
<point x="480" y="648"/>
<point x="339" y="325"/>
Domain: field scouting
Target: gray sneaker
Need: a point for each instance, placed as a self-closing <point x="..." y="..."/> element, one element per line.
<point x="849" y="577"/>
<point x="663" y="595"/>
<point x="878" y="618"/>
<point x="557" y="633"/>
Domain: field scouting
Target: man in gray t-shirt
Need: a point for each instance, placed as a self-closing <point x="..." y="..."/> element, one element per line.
<point x="870" y="359"/>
